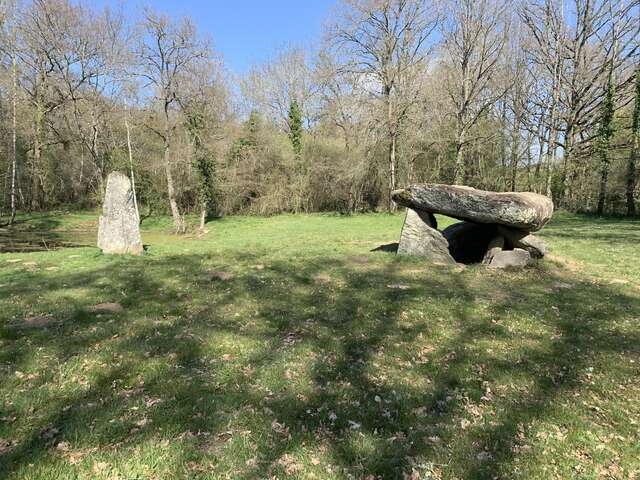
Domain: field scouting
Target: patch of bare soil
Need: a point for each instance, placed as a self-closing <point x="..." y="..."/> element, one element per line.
<point x="37" y="321"/>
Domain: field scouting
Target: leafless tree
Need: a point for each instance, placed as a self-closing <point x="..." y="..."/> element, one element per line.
<point x="475" y="36"/>
<point x="274" y="85"/>
<point x="167" y="51"/>
<point x="388" y="42"/>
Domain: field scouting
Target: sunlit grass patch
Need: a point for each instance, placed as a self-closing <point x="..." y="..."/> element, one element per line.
<point x="285" y="347"/>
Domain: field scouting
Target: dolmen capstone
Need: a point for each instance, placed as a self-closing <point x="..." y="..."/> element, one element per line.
<point x="119" y="225"/>
<point x="495" y="228"/>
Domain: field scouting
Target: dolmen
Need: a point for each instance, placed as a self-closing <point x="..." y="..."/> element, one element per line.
<point x="495" y="228"/>
<point x="119" y="225"/>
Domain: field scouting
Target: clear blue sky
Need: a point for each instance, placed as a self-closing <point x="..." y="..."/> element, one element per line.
<point x="246" y="31"/>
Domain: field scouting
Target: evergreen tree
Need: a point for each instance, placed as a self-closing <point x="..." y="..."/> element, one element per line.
<point x="605" y="132"/>
<point x="205" y="166"/>
<point x="295" y="128"/>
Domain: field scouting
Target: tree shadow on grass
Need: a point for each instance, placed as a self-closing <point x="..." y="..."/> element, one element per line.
<point x="37" y="234"/>
<point x="585" y="227"/>
<point x="382" y="368"/>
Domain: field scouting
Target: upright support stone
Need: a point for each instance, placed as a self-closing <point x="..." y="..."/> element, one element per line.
<point x="495" y="246"/>
<point x="516" y="258"/>
<point x="119" y="225"/>
<point x="525" y="240"/>
<point x="419" y="237"/>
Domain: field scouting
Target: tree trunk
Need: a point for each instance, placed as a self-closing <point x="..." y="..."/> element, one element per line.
<point x="392" y="171"/>
<point x="392" y="145"/>
<point x="631" y="176"/>
<point x="35" y="167"/>
<point x="529" y="161"/>
<point x="14" y="153"/>
<point x="633" y="155"/>
<point x="604" y="180"/>
<point x="569" y="174"/>
<point x="178" y="221"/>
<point x="515" y="147"/>
<point x="133" y="181"/>
<point x="203" y="218"/>
<point x="459" y="167"/>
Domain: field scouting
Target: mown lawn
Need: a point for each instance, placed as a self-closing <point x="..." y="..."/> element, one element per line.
<point x="285" y="347"/>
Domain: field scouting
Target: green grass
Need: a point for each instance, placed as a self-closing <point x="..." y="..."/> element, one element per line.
<point x="285" y="348"/>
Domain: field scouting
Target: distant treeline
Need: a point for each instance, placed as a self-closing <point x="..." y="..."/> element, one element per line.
<point x="539" y="95"/>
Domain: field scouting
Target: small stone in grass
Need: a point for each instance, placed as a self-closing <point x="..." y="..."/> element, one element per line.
<point x="224" y="276"/>
<point x="108" y="307"/>
<point x="14" y="260"/>
<point x="63" y="446"/>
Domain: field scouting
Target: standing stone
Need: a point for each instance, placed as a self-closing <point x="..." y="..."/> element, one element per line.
<point x="119" y="227"/>
<point x="419" y="237"/>
<point x="516" y="258"/>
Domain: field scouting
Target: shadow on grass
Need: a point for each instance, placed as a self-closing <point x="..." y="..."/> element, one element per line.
<point x="586" y="227"/>
<point x="328" y="358"/>
<point x="38" y="234"/>
<point x="388" y="247"/>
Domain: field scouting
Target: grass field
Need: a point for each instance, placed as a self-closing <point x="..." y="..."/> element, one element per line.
<point x="285" y="347"/>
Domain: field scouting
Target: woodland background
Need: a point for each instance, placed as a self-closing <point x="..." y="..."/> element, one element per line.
<point x="538" y="95"/>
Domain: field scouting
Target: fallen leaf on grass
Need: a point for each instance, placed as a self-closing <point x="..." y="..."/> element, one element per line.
<point x="6" y="446"/>
<point x="280" y="428"/>
<point x="290" y="465"/>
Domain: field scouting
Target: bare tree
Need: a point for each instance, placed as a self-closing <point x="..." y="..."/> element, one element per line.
<point x="475" y="36"/>
<point x="388" y="42"/>
<point x="545" y="22"/>
<point x="519" y="91"/>
<point x="273" y="86"/>
<point x="593" y="39"/>
<point x="8" y="17"/>
<point x="167" y="51"/>
<point x="635" y="150"/>
<point x="36" y="58"/>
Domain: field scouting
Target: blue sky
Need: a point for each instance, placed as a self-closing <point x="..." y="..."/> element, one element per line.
<point x="247" y="31"/>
